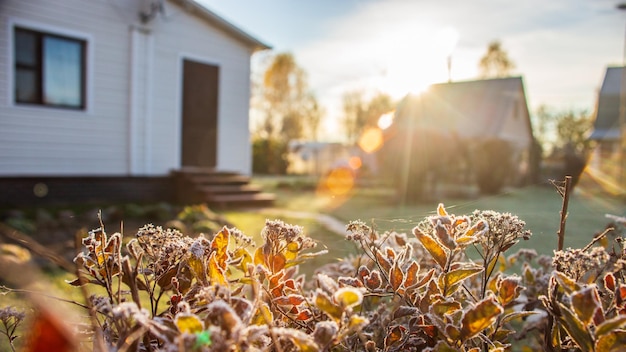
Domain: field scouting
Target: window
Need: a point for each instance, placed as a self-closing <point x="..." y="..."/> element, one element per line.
<point x="49" y="69"/>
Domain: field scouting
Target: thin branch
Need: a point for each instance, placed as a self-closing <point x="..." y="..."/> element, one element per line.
<point x="565" y="193"/>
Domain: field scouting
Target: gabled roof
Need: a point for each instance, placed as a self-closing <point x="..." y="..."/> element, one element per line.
<point x="606" y="124"/>
<point x="212" y="18"/>
<point x="469" y="108"/>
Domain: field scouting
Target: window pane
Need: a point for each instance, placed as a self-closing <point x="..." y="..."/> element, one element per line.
<point x="62" y="77"/>
<point x="26" y="83"/>
<point x="25" y="48"/>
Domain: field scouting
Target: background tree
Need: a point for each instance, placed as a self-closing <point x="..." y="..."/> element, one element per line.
<point x="496" y="62"/>
<point x="360" y="114"/>
<point x="286" y="108"/>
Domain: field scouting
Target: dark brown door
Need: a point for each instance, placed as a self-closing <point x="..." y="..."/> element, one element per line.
<point x="200" y="93"/>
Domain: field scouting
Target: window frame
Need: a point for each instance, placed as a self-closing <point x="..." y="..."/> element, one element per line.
<point x="41" y="32"/>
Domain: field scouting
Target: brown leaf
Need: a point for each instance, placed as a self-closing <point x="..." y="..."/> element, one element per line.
<point x="394" y="336"/>
<point x="509" y="289"/>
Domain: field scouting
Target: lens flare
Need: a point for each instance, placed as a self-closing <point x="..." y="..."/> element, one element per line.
<point x="355" y="163"/>
<point x="340" y="181"/>
<point x="371" y="140"/>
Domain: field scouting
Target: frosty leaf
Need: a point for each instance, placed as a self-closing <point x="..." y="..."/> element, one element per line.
<point x="382" y="261"/>
<point x="441" y="210"/>
<point x="472" y="233"/>
<point x="357" y="321"/>
<point x="263" y="315"/>
<point x="396" y="277"/>
<point x="323" y="302"/>
<point x="585" y="303"/>
<point x="294" y="300"/>
<point x="609" y="281"/>
<point x="373" y="281"/>
<point x="245" y="258"/>
<point x="614" y="341"/>
<point x="455" y="276"/>
<point x="411" y="274"/>
<point x="277" y="262"/>
<point x="394" y="336"/>
<point x="188" y="324"/>
<point x="566" y="282"/>
<point x="291" y="252"/>
<point x="575" y="328"/>
<point x="348" y="297"/>
<point x="514" y="315"/>
<point x="432" y="246"/>
<point x="445" y="307"/>
<point x="216" y="273"/>
<point x="219" y="245"/>
<point x="509" y="289"/>
<point x="609" y="325"/>
<point x="480" y="317"/>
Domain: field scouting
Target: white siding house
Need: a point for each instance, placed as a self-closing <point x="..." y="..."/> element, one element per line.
<point x="95" y="88"/>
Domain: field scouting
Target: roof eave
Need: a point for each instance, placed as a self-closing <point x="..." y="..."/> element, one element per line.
<point x="221" y="23"/>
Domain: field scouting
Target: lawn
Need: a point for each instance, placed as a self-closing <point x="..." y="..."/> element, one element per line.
<point x="538" y="206"/>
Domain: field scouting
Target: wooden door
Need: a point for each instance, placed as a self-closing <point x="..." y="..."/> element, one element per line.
<point x="199" y="114"/>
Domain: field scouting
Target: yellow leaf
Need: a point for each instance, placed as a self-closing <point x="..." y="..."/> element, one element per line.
<point x="609" y="325"/>
<point x="216" y="273"/>
<point x="348" y="297"/>
<point x="456" y="276"/>
<point x="188" y="324"/>
<point x="614" y="341"/>
<point x="472" y="233"/>
<point x="197" y="267"/>
<point x="441" y="211"/>
<point x="323" y="302"/>
<point x="291" y="252"/>
<point x="480" y="317"/>
<point x="433" y="247"/>
<point x="259" y="256"/>
<point x="357" y="321"/>
<point x="245" y="258"/>
<point x="219" y="245"/>
<point x="263" y="315"/>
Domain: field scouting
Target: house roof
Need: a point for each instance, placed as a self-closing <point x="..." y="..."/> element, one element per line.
<point x="469" y="108"/>
<point x="212" y="18"/>
<point x="606" y="124"/>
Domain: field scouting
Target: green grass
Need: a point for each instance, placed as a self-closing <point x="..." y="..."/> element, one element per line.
<point x="538" y="206"/>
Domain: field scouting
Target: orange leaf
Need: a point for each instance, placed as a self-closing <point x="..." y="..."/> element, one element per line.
<point x="480" y="317"/>
<point x="49" y="334"/>
<point x="277" y="262"/>
<point x="433" y="247"/>
<point x="382" y="261"/>
<point x="411" y="274"/>
<point x="609" y="281"/>
<point x="396" y="277"/>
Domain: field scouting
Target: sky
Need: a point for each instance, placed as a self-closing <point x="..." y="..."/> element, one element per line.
<point x="561" y="48"/>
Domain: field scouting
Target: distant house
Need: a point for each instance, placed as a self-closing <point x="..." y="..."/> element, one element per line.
<point x="319" y="158"/>
<point x="120" y="89"/>
<point x="470" y="111"/>
<point x="606" y="127"/>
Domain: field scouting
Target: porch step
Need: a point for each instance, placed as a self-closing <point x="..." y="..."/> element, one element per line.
<point x="219" y="188"/>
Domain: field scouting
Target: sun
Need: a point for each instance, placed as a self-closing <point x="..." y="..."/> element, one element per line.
<point x="417" y="60"/>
